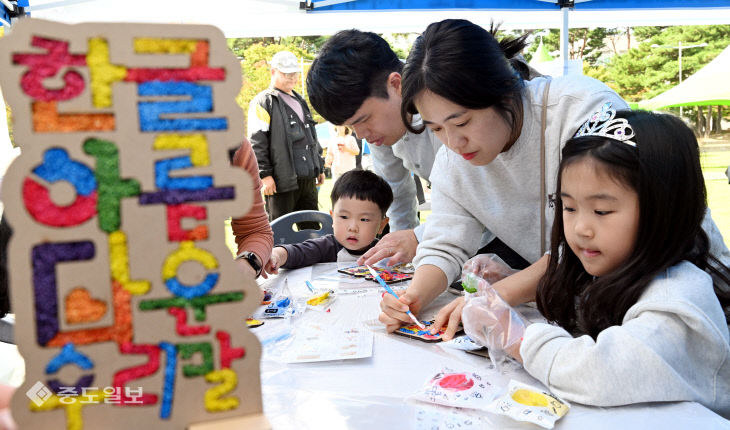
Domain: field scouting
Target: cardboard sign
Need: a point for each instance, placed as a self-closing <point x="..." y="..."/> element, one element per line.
<point x="130" y="311"/>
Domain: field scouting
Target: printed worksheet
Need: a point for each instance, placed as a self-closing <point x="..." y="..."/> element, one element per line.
<point x="320" y="341"/>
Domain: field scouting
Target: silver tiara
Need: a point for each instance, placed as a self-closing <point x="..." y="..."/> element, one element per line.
<point x="604" y="123"/>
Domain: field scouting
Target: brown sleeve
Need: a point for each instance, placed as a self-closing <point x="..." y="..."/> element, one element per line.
<point x="252" y="231"/>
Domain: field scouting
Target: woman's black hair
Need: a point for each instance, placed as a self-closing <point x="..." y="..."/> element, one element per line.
<point x="664" y="170"/>
<point x="465" y="64"/>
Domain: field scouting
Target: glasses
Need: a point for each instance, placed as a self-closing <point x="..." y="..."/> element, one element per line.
<point x="292" y="75"/>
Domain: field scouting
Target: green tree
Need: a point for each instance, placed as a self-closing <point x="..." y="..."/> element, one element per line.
<point x="587" y="44"/>
<point x="652" y="67"/>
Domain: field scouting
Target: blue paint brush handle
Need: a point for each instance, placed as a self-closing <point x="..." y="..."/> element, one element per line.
<point x="390" y="291"/>
<point x="309" y="285"/>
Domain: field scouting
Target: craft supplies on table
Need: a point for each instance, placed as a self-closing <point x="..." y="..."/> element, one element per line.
<point x="371" y="392"/>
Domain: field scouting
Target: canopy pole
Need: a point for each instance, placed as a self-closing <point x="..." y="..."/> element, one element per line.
<point x="564" y="40"/>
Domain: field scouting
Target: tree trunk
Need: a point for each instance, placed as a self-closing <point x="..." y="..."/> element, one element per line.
<point x="708" y="126"/>
<point x="718" y="128"/>
<point x="628" y="38"/>
<point x="700" y="119"/>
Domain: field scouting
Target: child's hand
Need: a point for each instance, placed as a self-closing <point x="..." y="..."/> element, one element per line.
<point x="450" y="314"/>
<point x="491" y="322"/>
<point x="278" y="257"/>
<point x="393" y="314"/>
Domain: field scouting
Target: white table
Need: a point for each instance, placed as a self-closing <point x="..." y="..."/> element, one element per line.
<point x="370" y="393"/>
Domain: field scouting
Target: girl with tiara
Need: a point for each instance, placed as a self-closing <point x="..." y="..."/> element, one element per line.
<point x="634" y="315"/>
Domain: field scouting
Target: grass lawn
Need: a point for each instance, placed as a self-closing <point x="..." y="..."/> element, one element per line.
<point x="714" y="164"/>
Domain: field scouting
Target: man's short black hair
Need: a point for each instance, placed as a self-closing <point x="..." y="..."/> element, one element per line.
<point x="363" y="185"/>
<point x="352" y="66"/>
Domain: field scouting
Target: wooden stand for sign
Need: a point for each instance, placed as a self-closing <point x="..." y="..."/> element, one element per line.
<point x="253" y="421"/>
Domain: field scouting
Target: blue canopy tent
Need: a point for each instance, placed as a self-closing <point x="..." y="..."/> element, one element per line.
<point x="523" y="5"/>
<point x="267" y="18"/>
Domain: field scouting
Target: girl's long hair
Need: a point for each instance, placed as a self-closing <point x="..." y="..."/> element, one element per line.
<point x="664" y="170"/>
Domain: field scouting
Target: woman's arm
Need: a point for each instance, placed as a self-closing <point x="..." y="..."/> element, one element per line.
<point x="514" y="289"/>
<point x="522" y="286"/>
<point x="428" y="282"/>
<point x="252" y="231"/>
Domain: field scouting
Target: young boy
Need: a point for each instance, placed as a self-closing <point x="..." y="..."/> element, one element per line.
<point x="360" y="199"/>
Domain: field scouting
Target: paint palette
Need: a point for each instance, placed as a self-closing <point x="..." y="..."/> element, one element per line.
<point x="389" y="276"/>
<point x="415" y="332"/>
<point x="458" y="389"/>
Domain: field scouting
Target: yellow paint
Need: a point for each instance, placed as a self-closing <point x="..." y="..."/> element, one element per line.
<point x="316" y="300"/>
<point x="533" y="398"/>
<point x="103" y="73"/>
<point x="196" y="143"/>
<point x="187" y="252"/>
<point x="119" y="264"/>
<point x="529" y="398"/>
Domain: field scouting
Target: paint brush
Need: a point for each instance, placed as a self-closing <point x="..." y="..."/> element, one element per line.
<point x="390" y="290"/>
<point x="309" y="285"/>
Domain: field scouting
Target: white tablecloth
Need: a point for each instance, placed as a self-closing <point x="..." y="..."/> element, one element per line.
<point x="371" y="393"/>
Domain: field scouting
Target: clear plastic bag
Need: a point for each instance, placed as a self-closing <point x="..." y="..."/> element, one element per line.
<point x="484" y="269"/>
<point x="491" y="322"/>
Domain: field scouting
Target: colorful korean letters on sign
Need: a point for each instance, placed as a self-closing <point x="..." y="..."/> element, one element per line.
<point x="130" y="311"/>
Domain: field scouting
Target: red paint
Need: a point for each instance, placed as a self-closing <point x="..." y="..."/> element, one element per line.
<point x="456" y="382"/>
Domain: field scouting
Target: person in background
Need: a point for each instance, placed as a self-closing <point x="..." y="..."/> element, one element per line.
<point x="360" y="200"/>
<point x="5" y="233"/>
<point x="358" y="157"/>
<point x="6" y="391"/>
<point x="341" y="152"/>
<point x="281" y="130"/>
<point x="633" y="314"/>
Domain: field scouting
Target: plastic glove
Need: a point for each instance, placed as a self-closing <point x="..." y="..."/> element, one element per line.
<point x="484" y="267"/>
<point x="491" y="322"/>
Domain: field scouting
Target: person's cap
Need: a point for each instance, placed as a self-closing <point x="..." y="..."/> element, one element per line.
<point x="285" y="62"/>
